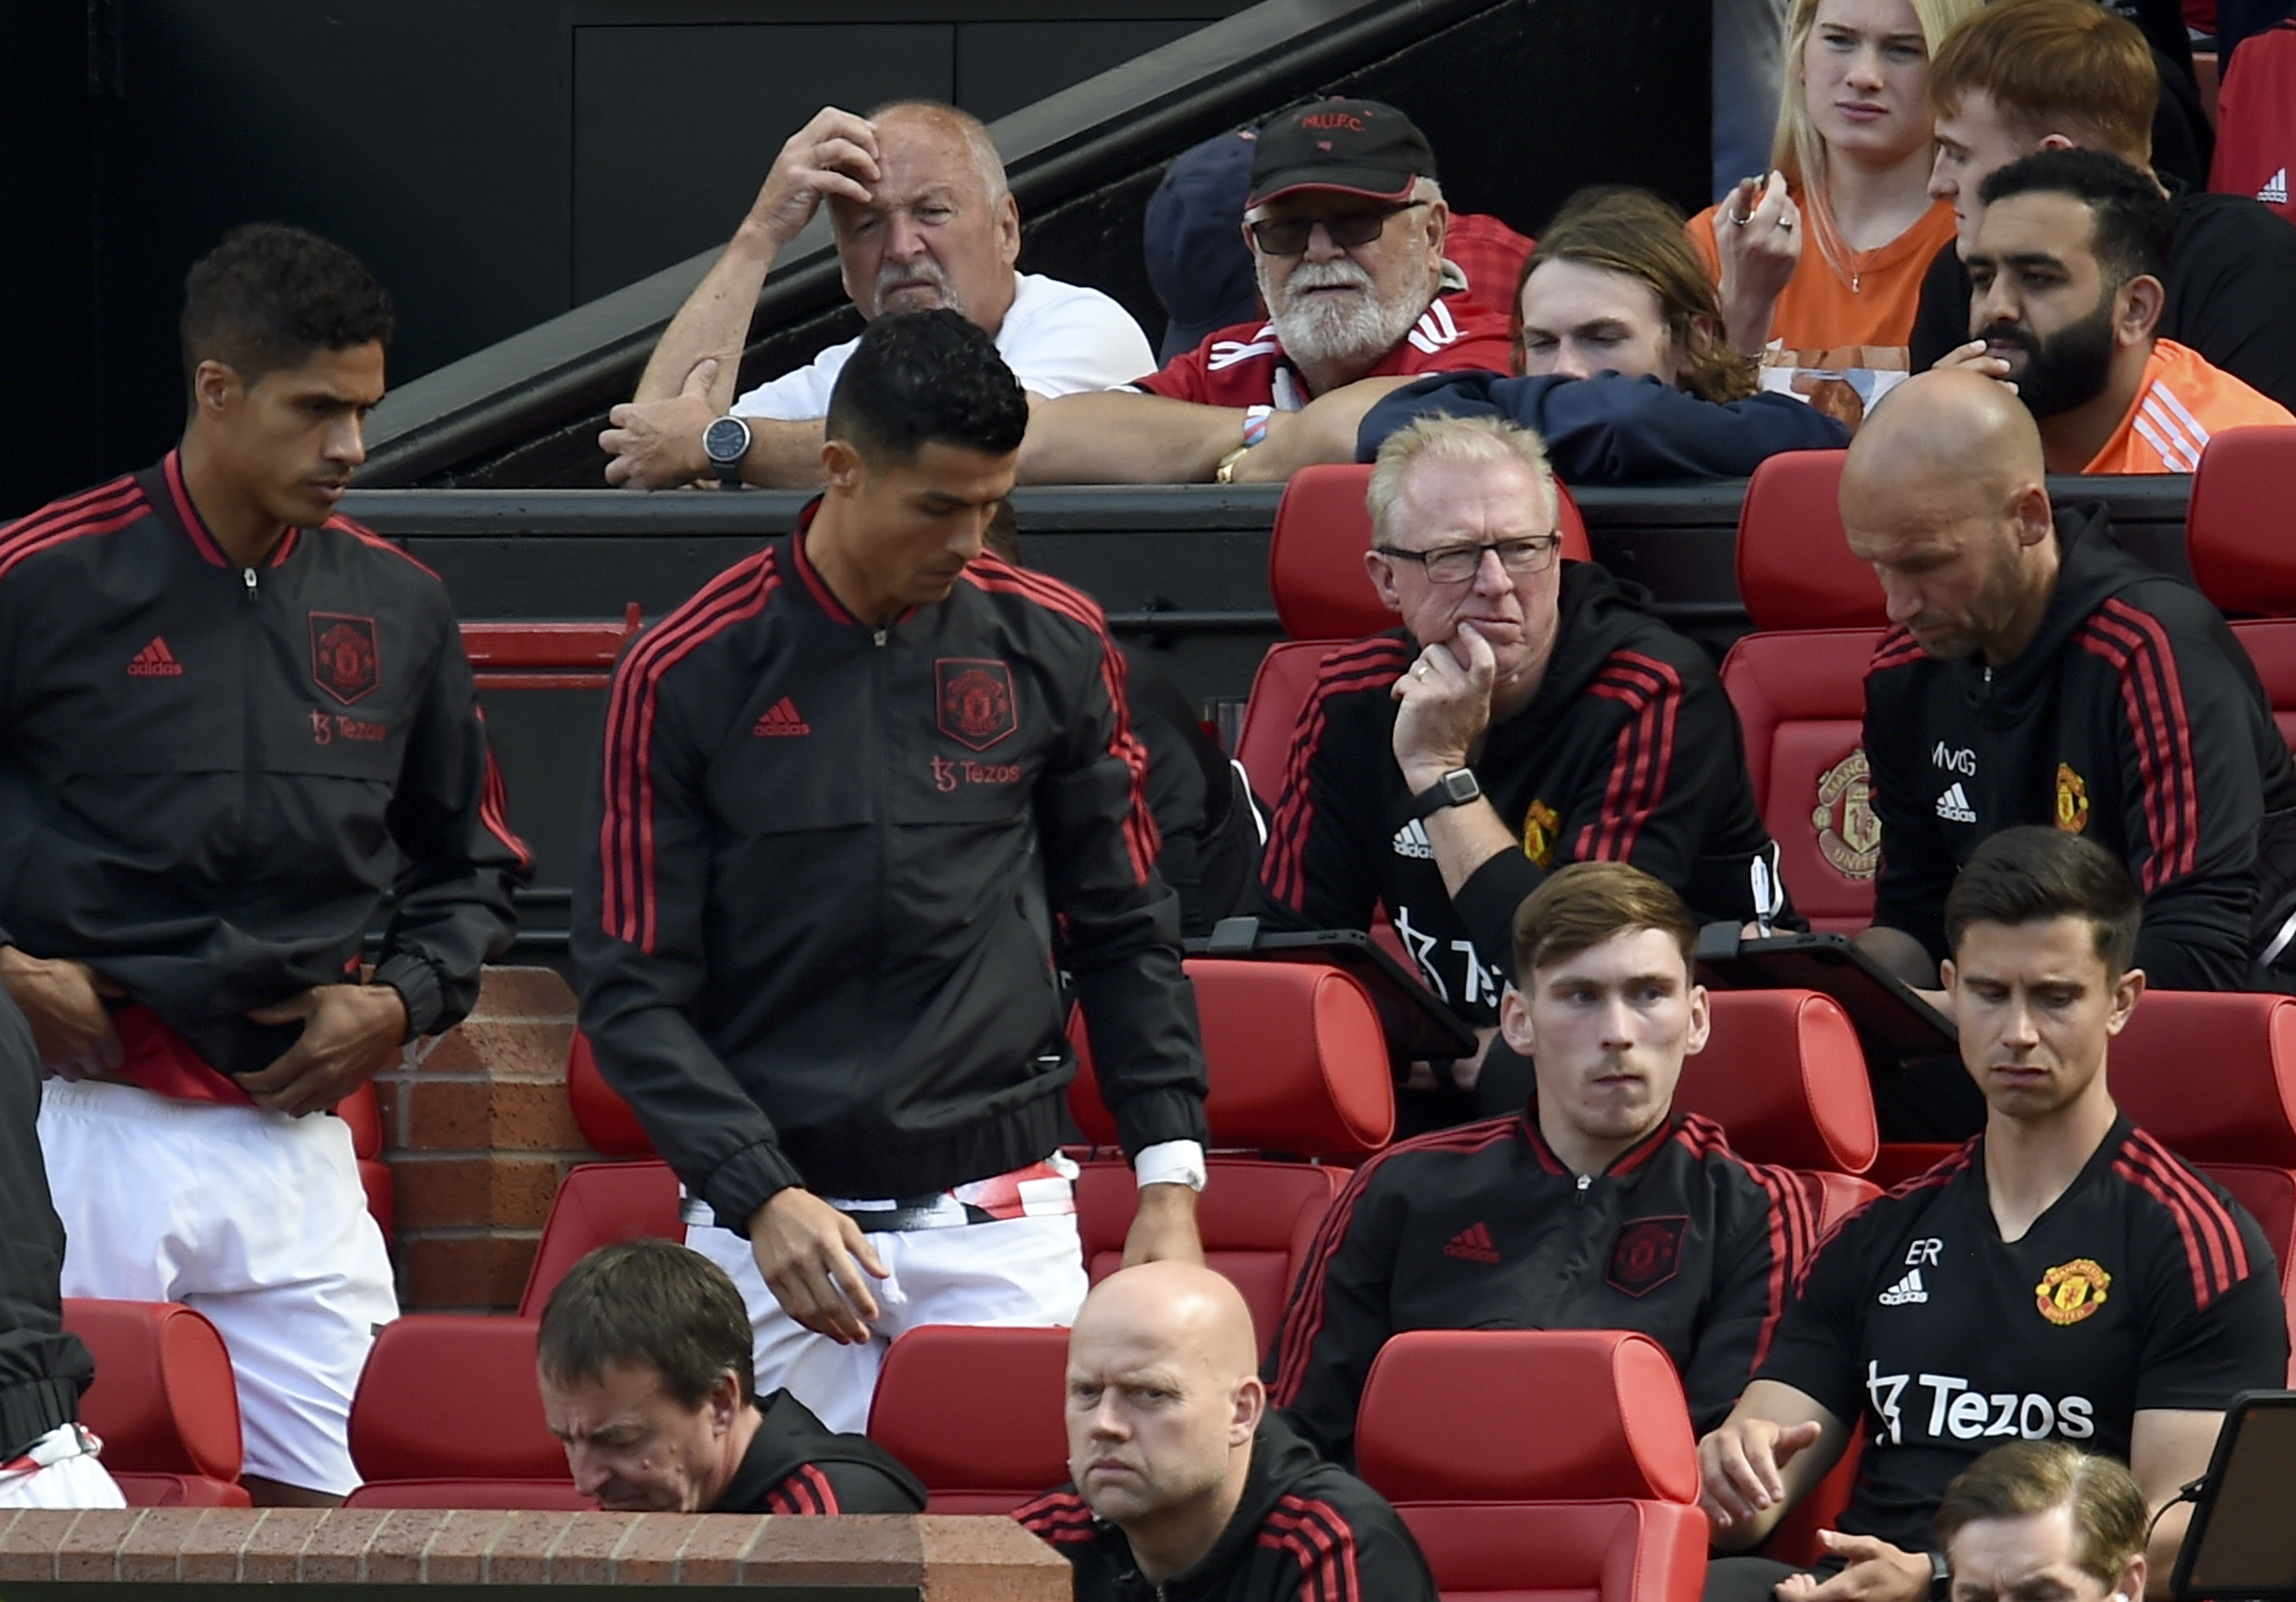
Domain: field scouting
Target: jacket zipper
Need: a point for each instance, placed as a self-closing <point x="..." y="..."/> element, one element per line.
<point x="884" y="805"/>
<point x="251" y="649"/>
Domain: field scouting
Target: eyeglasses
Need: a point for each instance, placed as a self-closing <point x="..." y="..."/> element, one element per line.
<point x="1288" y="236"/>
<point x="1457" y="564"/>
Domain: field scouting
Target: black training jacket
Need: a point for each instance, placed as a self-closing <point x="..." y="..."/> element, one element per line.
<point x="2135" y="717"/>
<point x="42" y="1368"/>
<point x="1629" y="751"/>
<point x="1482" y="1227"/>
<point x="1610" y="429"/>
<point x="1305" y="1532"/>
<point x="210" y="777"/>
<point x="811" y="926"/>
<point x="798" y="1465"/>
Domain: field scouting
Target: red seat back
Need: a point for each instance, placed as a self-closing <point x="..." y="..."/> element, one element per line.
<point x="1801" y="700"/>
<point x="600" y="1113"/>
<point x="1297" y="1059"/>
<point x="2236" y="1122"/>
<point x="1783" y="1074"/>
<point x="163" y="1402"/>
<point x="1264" y="743"/>
<point x="1258" y="1221"/>
<point x="1794" y="570"/>
<point x="1537" y="1462"/>
<point x="2270" y="643"/>
<point x="453" y="1396"/>
<point x="364" y="1116"/>
<point x="597" y="1204"/>
<point x="1315" y="554"/>
<point x="2235" y="527"/>
<point x="976" y="1413"/>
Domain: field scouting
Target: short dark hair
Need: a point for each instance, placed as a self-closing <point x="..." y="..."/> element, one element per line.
<point x="2032" y="873"/>
<point x="926" y="375"/>
<point x="1582" y="905"/>
<point x="270" y="295"/>
<point x="2027" y="1477"/>
<point x="651" y="1302"/>
<point x="2133" y="220"/>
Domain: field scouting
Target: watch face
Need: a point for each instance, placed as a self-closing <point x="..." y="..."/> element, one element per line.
<point x="726" y="440"/>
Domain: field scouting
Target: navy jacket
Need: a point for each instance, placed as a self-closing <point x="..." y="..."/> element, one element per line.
<point x="1610" y="429"/>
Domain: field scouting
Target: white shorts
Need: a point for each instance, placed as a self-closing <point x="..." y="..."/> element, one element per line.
<point x="1028" y="1272"/>
<point x="256" y="1219"/>
<point x="63" y="1474"/>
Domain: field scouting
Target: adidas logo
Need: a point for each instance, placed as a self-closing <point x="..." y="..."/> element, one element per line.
<point x="1411" y="840"/>
<point x="1954" y="806"/>
<point x="781" y="718"/>
<point x="2275" y="190"/>
<point x="1473" y="1242"/>
<point x="155" y="661"/>
<point x="1908" y="1290"/>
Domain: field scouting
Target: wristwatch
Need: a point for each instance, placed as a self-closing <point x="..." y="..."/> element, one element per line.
<point x="1940" y="1579"/>
<point x="725" y="441"/>
<point x="1455" y="788"/>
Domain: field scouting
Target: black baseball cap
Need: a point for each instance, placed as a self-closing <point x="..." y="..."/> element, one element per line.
<point x="1361" y="147"/>
<point x="1198" y="262"/>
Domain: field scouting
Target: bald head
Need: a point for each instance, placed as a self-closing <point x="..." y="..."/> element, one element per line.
<point x="940" y="228"/>
<point x="1163" y="1402"/>
<point x="1944" y="495"/>
<point x="1955" y="431"/>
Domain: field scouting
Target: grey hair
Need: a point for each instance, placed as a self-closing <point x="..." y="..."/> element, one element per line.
<point x="1459" y="441"/>
<point x="982" y="148"/>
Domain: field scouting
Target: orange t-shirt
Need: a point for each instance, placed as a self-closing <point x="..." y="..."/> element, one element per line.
<point x="1838" y="341"/>
<point x="2182" y="401"/>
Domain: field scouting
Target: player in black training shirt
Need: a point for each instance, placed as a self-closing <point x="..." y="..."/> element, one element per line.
<point x="2062" y="1277"/>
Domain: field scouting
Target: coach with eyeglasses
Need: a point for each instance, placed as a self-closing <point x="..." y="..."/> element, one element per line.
<point x="1529" y="713"/>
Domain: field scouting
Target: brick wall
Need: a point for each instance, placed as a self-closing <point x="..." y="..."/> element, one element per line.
<point x="477" y="1134"/>
<point x="936" y="1559"/>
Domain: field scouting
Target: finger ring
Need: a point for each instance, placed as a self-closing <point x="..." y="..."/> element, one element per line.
<point x="1736" y="220"/>
<point x="1421" y="670"/>
<point x="1785" y="222"/>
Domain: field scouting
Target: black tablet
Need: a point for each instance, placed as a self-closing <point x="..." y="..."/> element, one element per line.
<point x="1895" y="1025"/>
<point x="2242" y="1543"/>
<point x="1418" y="1025"/>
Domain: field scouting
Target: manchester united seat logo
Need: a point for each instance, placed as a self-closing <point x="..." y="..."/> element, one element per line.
<point x="1849" y="835"/>
<point x="973" y="696"/>
<point x="346" y="660"/>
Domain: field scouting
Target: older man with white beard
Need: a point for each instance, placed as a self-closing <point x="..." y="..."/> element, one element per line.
<point x="923" y="219"/>
<point x="1345" y="224"/>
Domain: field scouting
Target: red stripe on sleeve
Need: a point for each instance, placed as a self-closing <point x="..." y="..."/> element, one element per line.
<point x="1652" y="691"/>
<point x="1323" y="1541"/>
<point x="2214" y="1251"/>
<point x="625" y="833"/>
<point x="102" y="510"/>
<point x="2152" y="697"/>
<point x="1367" y="664"/>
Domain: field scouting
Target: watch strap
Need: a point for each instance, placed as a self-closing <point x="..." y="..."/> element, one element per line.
<point x="1455" y="788"/>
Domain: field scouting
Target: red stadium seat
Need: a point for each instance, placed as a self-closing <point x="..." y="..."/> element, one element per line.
<point x="600" y="1113"/>
<point x="1537" y="1463"/>
<point x="1258" y="1220"/>
<point x="1297" y="1059"/>
<point x="1799" y="685"/>
<point x="1794" y="570"/>
<point x="2270" y="643"/>
<point x="1783" y="1072"/>
<point x="2238" y="1121"/>
<point x="546" y="655"/>
<point x="597" y="1204"/>
<point x="163" y="1402"/>
<point x="1324" y="598"/>
<point x="975" y="1414"/>
<point x="364" y="1116"/>
<point x="448" y="1415"/>
<point x="1298" y="1066"/>
<point x="2236" y="528"/>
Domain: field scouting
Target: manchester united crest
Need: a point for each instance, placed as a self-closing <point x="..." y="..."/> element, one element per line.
<point x="1645" y="1254"/>
<point x="1539" y="825"/>
<point x="974" y="695"/>
<point x="2072" y="800"/>
<point x="1849" y="834"/>
<point x="346" y="660"/>
<point x="2071" y="1292"/>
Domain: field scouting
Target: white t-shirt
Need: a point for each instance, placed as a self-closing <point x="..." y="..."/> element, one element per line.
<point x="1057" y="338"/>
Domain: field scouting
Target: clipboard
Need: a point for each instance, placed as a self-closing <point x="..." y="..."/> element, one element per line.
<point x="1896" y="1028"/>
<point x="2241" y="1541"/>
<point x="1418" y="1025"/>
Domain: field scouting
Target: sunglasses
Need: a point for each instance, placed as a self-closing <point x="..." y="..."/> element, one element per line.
<point x="1288" y="236"/>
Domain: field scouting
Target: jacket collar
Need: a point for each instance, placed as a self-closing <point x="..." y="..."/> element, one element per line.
<point x="814" y="584"/>
<point x="170" y="497"/>
<point x="1624" y="1163"/>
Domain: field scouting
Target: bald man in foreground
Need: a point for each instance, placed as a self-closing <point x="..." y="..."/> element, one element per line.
<point x="2035" y="673"/>
<point x="1185" y="1485"/>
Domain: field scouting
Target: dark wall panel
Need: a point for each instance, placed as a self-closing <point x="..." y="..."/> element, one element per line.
<point x="675" y="127"/>
<point x="1001" y="66"/>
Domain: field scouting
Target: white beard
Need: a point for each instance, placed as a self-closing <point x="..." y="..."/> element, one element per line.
<point x="913" y="277"/>
<point x="1354" y="331"/>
